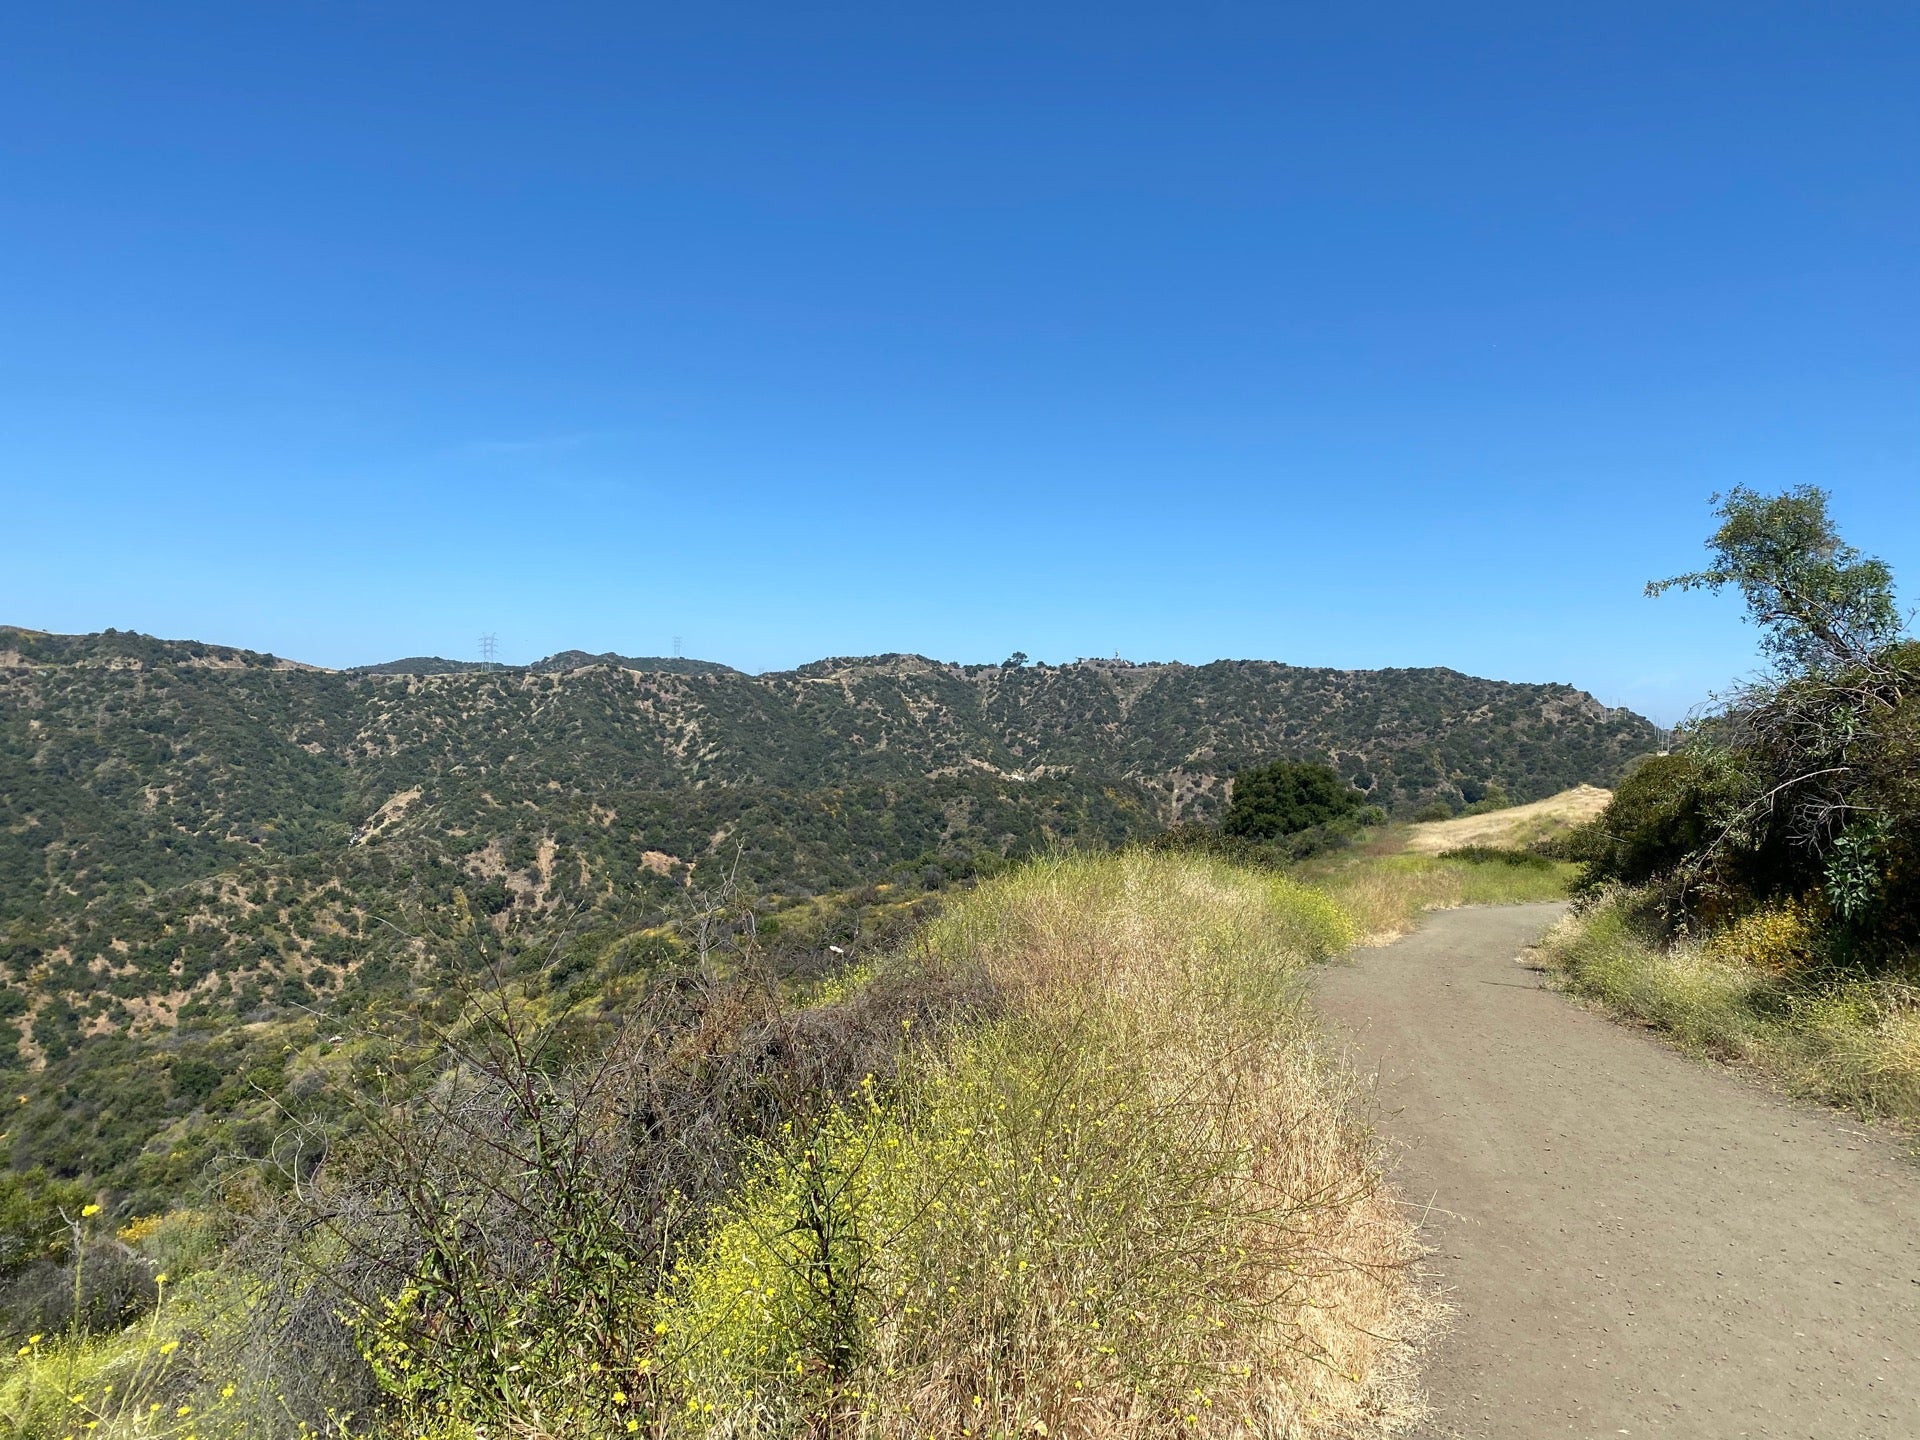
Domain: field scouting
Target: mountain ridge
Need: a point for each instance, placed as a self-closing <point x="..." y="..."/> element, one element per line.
<point x="202" y="846"/>
<point x="130" y="768"/>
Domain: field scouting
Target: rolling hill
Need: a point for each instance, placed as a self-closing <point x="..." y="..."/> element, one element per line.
<point x="192" y="834"/>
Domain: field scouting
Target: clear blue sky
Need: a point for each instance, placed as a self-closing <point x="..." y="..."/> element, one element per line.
<point x="1337" y="334"/>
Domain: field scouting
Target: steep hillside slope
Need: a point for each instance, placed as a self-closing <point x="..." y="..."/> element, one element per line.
<point x="190" y="832"/>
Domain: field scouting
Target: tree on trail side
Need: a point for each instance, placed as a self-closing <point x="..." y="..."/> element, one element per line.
<point x="1803" y="785"/>
<point x="1822" y="605"/>
<point x="1287" y="797"/>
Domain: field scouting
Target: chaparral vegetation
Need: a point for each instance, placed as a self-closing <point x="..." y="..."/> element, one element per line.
<point x="1756" y="891"/>
<point x="637" y="1047"/>
<point x="1065" y="1158"/>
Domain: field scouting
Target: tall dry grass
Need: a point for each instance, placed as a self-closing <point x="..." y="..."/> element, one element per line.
<point x="1515" y="826"/>
<point x="1070" y="1162"/>
<point x="1385" y="894"/>
<point x="1137" y="1202"/>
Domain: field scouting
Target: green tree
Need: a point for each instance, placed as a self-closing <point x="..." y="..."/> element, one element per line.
<point x="1820" y="603"/>
<point x="1807" y="781"/>
<point x="1287" y="797"/>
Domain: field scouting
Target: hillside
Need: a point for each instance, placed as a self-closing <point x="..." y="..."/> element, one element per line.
<point x="190" y="832"/>
<point x="1514" y="827"/>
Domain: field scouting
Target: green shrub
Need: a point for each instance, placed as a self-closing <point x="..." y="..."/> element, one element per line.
<point x="1491" y="799"/>
<point x="1661" y="813"/>
<point x="1287" y="797"/>
<point x="36" y="1211"/>
<point x="1498" y="855"/>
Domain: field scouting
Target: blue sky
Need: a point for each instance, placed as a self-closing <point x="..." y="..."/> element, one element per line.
<point x="1350" y="335"/>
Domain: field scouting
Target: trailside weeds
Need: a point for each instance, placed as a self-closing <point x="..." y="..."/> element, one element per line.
<point x="1135" y="1203"/>
<point x="1757" y="992"/>
<point x="1068" y="1162"/>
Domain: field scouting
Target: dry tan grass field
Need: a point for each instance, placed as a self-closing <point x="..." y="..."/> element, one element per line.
<point x="1519" y="825"/>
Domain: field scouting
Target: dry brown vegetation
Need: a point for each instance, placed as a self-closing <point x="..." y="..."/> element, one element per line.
<point x="1386" y="887"/>
<point x="1165" y="1213"/>
<point x="1516" y="826"/>
<point x="1070" y="1160"/>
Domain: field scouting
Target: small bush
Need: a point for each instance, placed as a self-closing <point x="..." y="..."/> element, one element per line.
<point x="1779" y="938"/>
<point x="1494" y="799"/>
<point x="111" y="1287"/>
<point x="1498" y="855"/>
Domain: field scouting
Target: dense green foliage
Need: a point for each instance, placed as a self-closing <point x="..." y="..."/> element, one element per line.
<point x="35" y="1211"/>
<point x="1287" y="797"/>
<point x="1657" y="818"/>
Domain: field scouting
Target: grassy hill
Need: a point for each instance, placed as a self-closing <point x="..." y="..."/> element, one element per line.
<point x="1514" y="826"/>
<point x="193" y="835"/>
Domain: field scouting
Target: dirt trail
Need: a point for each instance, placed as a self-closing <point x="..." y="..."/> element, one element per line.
<point x="1634" y="1243"/>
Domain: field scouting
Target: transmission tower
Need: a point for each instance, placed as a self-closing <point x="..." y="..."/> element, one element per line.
<point x="489" y="643"/>
<point x="676" y="647"/>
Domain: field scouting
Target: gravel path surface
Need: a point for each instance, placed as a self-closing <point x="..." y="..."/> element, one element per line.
<point x="1634" y="1243"/>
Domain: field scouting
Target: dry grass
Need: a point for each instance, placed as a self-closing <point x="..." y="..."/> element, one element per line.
<point x="1138" y="1203"/>
<point x="1743" y="995"/>
<point x="1515" y="827"/>
<point x="1385" y="892"/>
<point x="1105" y="1182"/>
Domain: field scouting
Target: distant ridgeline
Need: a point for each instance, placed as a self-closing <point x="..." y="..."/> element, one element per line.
<point x="189" y="831"/>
